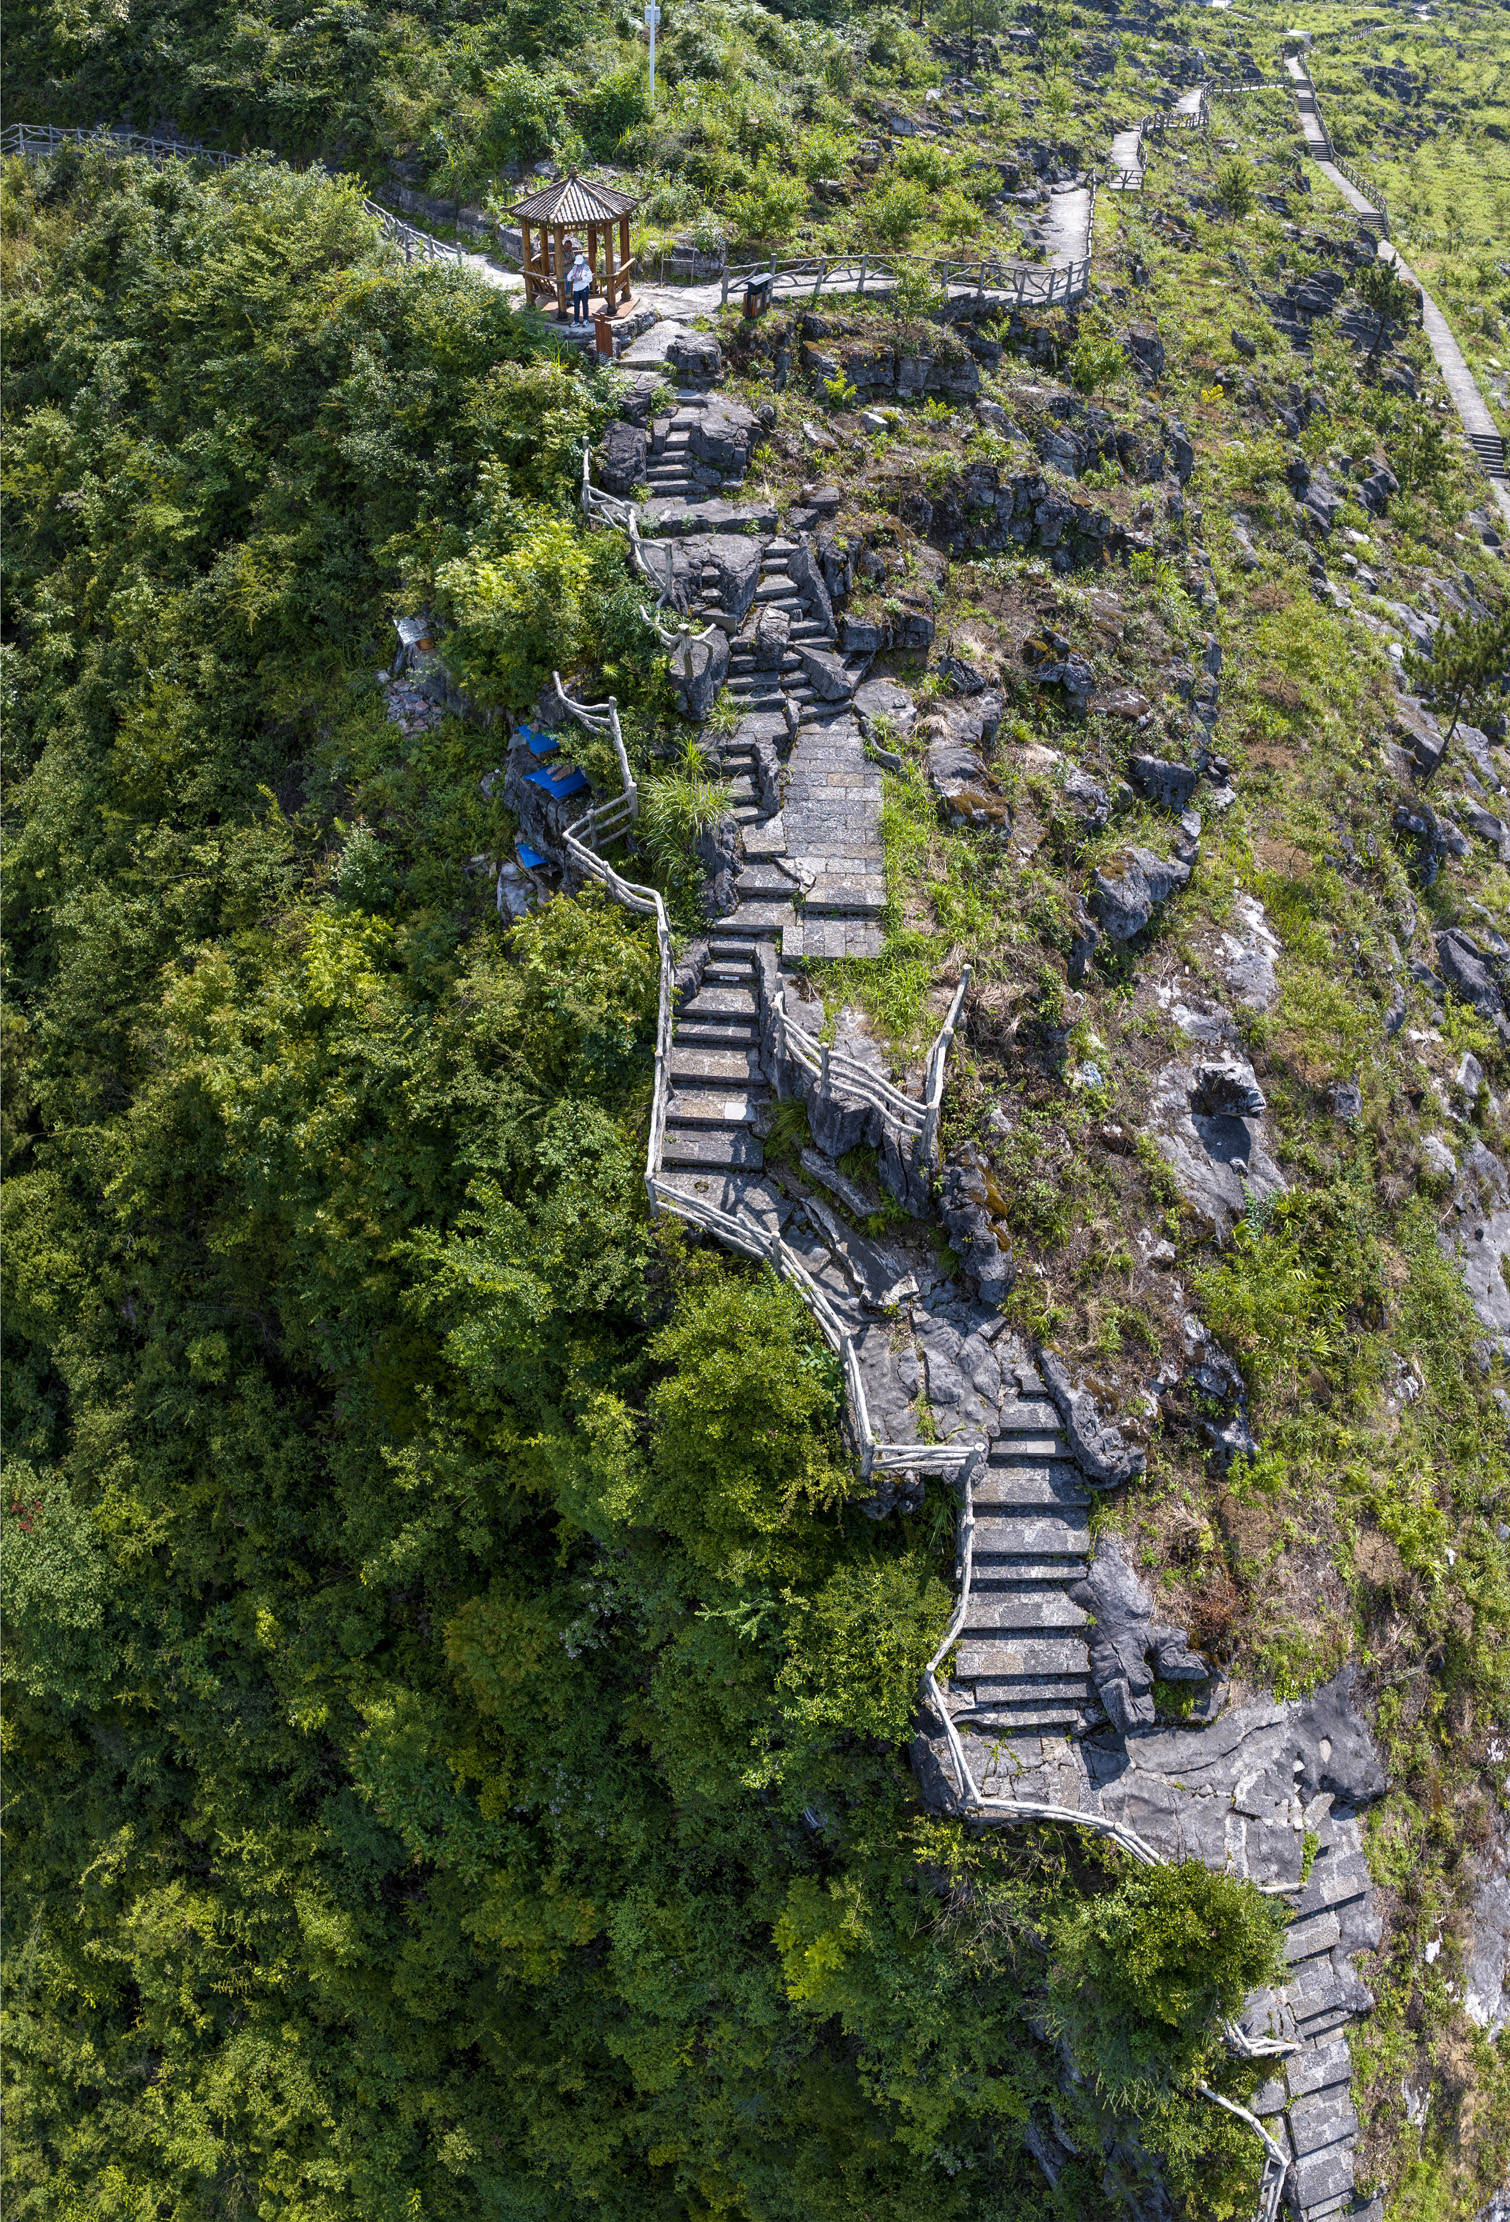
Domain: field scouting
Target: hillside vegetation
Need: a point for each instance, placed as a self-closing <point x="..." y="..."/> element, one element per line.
<point x="459" y="1697"/>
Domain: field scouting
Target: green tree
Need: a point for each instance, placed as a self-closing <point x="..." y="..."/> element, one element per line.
<point x="1467" y="666"/>
<point x="1388" y="297"/>
<point x="1236" y="189"/>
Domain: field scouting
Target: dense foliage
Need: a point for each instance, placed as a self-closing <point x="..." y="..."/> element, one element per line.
<point x="457" y="1709"/>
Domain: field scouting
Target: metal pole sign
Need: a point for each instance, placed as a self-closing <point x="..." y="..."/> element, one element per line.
<point x="652" y="18"/>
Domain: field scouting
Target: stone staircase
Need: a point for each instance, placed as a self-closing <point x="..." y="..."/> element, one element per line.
<point x="1021" y="1665"/>
<point x="1490" y="450"/>
<point x="718" y="1095"/>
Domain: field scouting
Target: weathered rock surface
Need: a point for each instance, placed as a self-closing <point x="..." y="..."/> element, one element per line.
<point x="1248" y="955"/>
<point x="1477" y="1235"/>
<point x="1124" y="901"/>
<point x="698" y="669"/>
<point x="692" y="354"/>
<point x="1218" y="1157"/>
<point x="619" y="463"/>
<point x="1486" y="1962"/>
<point x="1128" y="1648"/>
<point x="1099" y="1448"/>
<point x="964" y="1209"/>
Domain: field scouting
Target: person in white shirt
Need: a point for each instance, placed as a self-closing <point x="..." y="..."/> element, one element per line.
<point x="579" y="285"/>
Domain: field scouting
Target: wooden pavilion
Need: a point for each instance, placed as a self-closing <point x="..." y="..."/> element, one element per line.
<point x="554" y="221"/>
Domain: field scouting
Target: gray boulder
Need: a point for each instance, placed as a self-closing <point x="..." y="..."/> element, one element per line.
<point x="693" y="355"/>
<point x="772" y="632"/>
<point x="1124" y="902"/>
<point x="723" y="435"/>
<point x="1227" y="1090"/>
<point x="1163" y="781"/>
<point x="824" y="673"/>
<point x="860" y="636"/>
<point x="620" y="459"/>
<point x="1128" y="1648"/>
<point x="1087" y="799"/>
<point x="1181" y="453"/>
<point x="717" y="851"/>
<point x="883" y="698"/>
<point x="1376" y="489"/>
<point x="1466" y="969"/>
<point x="970" y="1227"/>
<point x="1477" y="1237"/>
<point x="1145" y="351"/>
<point x="1219" y="1158"/>
<point x="806" y="574"/>
<point x="736" y="559"/>
<point x="698" y="669"/>
<point x="1097" y="1447"/>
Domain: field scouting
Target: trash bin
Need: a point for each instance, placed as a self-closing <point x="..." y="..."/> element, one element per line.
<point x="758" y="293"/>
<point x="602" y="332"/>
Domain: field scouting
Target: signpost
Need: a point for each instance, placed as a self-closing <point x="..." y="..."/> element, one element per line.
<point x="652" y="18"/>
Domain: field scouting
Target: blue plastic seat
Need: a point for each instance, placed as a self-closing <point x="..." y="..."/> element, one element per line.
<point x="529" y="857"/>
<point x="558" y="784"/>
<point x="538" y="744"/>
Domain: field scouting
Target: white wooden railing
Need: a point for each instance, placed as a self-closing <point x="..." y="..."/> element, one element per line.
<point x="969" y="1799"/>
<point x="808" y="276"/>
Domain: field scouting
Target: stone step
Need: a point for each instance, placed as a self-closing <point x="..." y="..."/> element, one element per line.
<point x="711" y="1107"/>
<point x="778" y="588"/>
<point x="845" y="898"/>
<point x="1030" y="1416"/>
<point x="1015" y="1689"/>
<point x="746" y="814"/>
<point x="723" y="1145"/>
<point x="1016" y="1450"/>
<point x="713" y="1033"/>
<point x="1040" y="1486"/>
<point x="1056" y="1534"/>
<point x="996" y="1570"/>
<point x="720" y="1002"/>
<point x="727" y="972"/>
<point x="1022" y="1608"/>
<point x="997" y="1658"/>
<point x="1034" y="1717"/>
<point x="734" y="947"/>
<point x="765" y="879"/>
<point x="754" y="918"/>
<point x="712" y="1066"/>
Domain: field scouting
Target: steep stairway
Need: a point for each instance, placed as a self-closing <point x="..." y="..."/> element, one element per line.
<point x="1490" y="450"/>
<point x="718" y="1095"/>
<point x="1021" y="1665"/>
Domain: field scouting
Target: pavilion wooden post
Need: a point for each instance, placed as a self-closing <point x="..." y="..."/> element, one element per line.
<point x="568" y="208"/>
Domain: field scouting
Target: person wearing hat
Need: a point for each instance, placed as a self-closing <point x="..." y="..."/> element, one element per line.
<point x="579" y="283"/>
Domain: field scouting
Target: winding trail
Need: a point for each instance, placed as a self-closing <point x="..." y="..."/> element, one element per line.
<point x="1483" y="434"/>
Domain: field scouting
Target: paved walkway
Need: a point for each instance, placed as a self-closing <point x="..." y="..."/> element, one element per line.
<point x="1473" y="411"/>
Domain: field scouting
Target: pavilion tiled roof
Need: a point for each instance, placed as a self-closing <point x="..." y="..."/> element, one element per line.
<point x="569" y="201"/>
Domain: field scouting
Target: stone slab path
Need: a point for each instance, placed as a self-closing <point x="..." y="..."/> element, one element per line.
<point x="832" y="821"/>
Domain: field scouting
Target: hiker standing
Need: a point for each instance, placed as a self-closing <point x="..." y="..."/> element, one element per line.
<point x="579" y="285"/>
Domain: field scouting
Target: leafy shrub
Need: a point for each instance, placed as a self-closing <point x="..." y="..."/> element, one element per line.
<point x="744" y="1425"/>
<point x="1144" y="1977"/>
<point x="613" y="104"/>
<point x="1095" y="362"/>
<point x="526" y="114"/>
<point x="768" y="207"/>
<point x="893" y="211"/>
